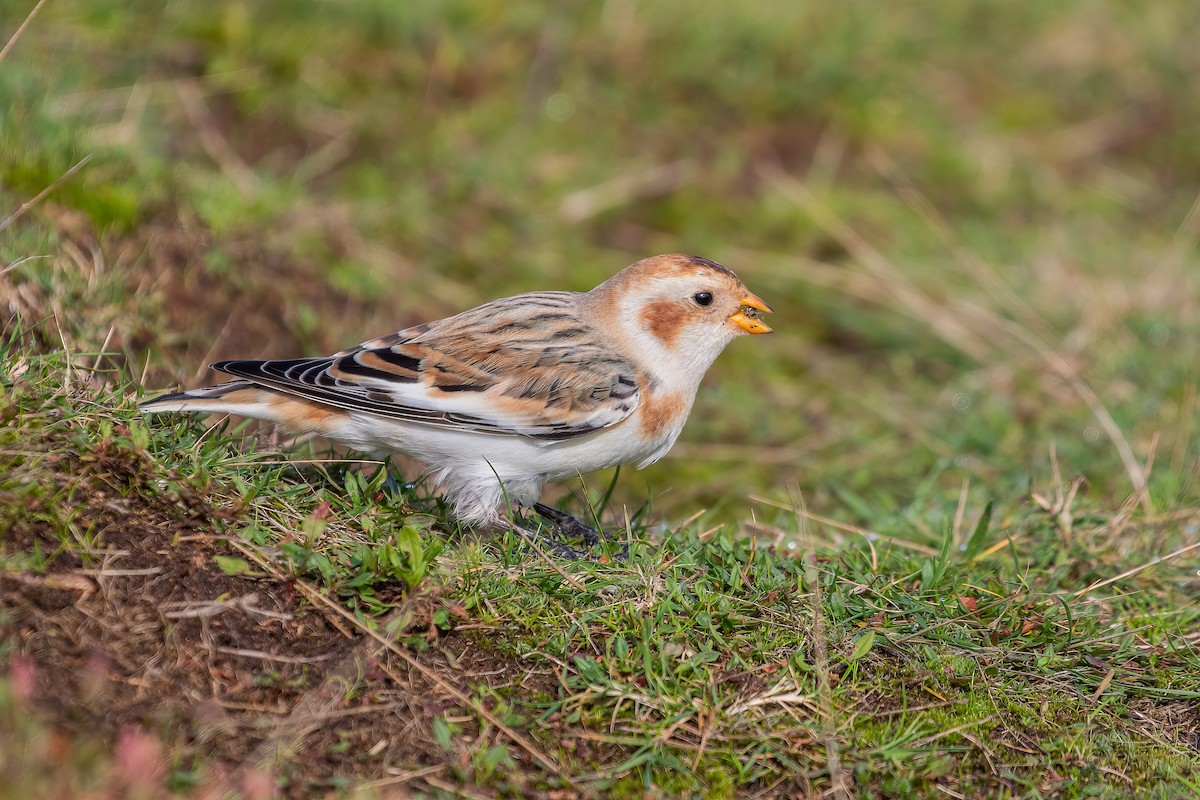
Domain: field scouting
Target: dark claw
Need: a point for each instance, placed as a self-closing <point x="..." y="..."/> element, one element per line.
<point x="567" y="526"/>
<point x="539" y="538"/>
<point x="393" y="486"/>
<point x="561" y="549"/>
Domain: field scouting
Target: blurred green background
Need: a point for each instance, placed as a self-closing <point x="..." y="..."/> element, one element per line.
<point x="969" y="216"/>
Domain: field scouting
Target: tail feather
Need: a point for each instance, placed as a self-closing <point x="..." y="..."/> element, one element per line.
<point x="235" y="397"/>
<point x="248" y="399"/>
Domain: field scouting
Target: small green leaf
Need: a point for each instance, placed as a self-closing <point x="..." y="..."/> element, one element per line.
<point x="139" y="435"/>
<point x="313" y="527"/>
<point x="408" y="541"/>
<point x="704" y="657"/>
<point x="621" y="648"/>
<point x="255" y="534"/>
<point x="321" y="563"/>
<point x="353" y="489"/>
<point x="927" y="578"/>
<point x="496" y="755"/>
<point x="441" y="733"/>
<point x="361" y="579"/>
<point x="978" y="537"/>
<point x="232" y="565"/>
<point x="862" y="646"/>
<point x="589" y="670"/>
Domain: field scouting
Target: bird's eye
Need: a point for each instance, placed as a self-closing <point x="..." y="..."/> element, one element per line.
<point x="703" y="298"/>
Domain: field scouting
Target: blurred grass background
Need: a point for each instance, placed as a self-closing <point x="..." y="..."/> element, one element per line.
<point x="977" y="222"/>
<point x="960" y="211"/>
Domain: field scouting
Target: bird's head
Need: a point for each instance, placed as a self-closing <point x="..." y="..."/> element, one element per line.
<point x="678" y="312"/>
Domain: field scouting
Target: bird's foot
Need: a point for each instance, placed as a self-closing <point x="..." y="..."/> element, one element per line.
<point x="541" y="539"/>
<point x="568" y="527"/>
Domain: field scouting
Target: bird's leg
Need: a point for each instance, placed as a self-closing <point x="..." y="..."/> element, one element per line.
<point x="555" y="547"/>
<point x="393" y="485"/>
<point x="567" y="526"/>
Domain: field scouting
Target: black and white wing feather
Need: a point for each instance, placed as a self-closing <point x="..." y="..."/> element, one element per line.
<point x="524" y="365"/>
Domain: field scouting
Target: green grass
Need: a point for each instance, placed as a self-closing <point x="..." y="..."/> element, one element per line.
<point x="889" y="552"/>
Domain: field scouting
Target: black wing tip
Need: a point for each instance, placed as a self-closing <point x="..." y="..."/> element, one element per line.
<point x="256" y="365"/>
<point x="162" y="398"/>
<point x="231" y="366"/>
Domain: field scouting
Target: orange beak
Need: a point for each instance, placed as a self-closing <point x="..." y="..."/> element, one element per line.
<point x="749" y="318"/>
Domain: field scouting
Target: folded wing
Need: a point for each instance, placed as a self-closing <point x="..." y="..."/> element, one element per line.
<point x="523" y="365"/>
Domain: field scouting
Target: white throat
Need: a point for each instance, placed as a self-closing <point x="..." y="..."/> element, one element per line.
<point x="681" y="364"/>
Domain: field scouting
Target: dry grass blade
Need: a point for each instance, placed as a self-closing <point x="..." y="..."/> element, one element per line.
<point x="403" y="777"/>
<point x="12" y="40"/>
<point x="837" y="778"/>
<point x="531" y="540"/>
<point x="1131" y="572"/>
<point x="841" y="526"/>
<point x="13" y="217"/>
<point x="623" y="189"/>
<point x="1133" y="469"/>
<point x="262" y="655"/>
<point x="776" y="696"/>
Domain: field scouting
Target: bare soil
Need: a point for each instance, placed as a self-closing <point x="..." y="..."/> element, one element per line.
<point x="238" y="674"/>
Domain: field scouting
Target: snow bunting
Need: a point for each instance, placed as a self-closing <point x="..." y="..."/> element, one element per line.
<point x="523" y="390"/>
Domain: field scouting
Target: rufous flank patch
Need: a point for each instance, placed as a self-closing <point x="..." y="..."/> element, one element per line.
<point x="301" y="416"/>
<point x="660" y="411"/>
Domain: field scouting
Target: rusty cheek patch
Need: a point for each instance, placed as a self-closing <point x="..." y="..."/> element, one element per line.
<point x="660" y="412"/>
<point x="664" y="319"/>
